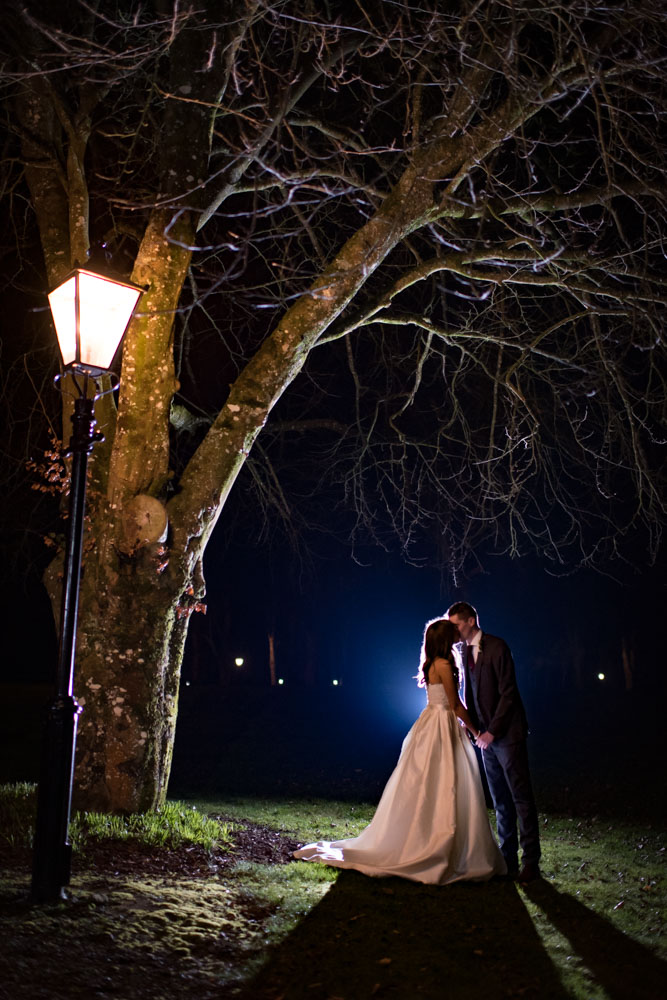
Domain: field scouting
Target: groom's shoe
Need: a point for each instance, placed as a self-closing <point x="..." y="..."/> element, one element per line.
<point x="529" y="873"/>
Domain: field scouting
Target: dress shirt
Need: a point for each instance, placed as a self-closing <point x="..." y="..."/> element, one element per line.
<point x="474" y="642"/>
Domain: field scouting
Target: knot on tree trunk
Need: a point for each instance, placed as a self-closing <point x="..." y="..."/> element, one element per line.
<point x="145" y="522"/>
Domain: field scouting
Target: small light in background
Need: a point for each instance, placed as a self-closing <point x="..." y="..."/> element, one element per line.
<point x="280" y="680"/>
<point x="238" y="662"/>
<point x="600" y="677"/>
<point x="187" y="684"/>
<point x="335" y="683"/>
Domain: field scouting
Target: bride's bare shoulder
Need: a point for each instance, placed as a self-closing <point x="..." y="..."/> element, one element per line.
<point x="441" y="666"/>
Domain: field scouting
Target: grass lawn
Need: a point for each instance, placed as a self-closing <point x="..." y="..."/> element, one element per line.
<point x="179" y="907"/>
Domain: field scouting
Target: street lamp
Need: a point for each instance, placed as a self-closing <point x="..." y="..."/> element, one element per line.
<point x="90" y="314"/>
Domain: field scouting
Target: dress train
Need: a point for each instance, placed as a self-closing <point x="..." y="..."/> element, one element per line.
<point x="431" y="824"/>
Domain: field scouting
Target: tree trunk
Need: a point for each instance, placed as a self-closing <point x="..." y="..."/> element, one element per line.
<point x="272" y="659"/>
<point x="131" y="633"/>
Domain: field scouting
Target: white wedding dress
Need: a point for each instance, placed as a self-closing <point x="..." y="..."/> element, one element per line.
<point x="431" y="824"/>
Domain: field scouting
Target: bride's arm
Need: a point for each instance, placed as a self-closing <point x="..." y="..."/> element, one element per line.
<point x="445" y="671"/>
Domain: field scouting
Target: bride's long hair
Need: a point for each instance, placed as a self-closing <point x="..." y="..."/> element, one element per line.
<point x="439" y="636"/>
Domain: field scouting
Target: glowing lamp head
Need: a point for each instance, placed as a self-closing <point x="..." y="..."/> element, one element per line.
<point x="601" y="677"/>
<point x="90" y="314"/>
<point x="238" y="662"/>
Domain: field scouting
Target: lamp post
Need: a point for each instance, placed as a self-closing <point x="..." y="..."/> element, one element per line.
<point x="90" y="314"/>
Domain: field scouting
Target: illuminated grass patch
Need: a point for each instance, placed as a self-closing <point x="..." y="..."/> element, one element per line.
<point x="173" y="826"/>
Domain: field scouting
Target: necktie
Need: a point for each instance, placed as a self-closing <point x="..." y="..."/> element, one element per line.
<point x="471" y="659"/>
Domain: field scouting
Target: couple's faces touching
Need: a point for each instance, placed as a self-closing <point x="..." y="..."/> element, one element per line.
<point x="467" y="627"/>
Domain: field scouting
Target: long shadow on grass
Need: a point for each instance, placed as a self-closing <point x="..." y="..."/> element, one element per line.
<point x="393" y="938"/>
<point x="623" y="967"/>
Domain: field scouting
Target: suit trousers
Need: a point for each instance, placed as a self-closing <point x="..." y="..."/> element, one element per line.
<point x="506" y="767"/>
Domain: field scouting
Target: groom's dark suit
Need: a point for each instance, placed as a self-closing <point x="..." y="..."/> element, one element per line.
<point x="492" y="698"/>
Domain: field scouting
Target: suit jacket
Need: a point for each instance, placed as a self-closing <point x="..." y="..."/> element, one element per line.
<point x="491" y="694"/>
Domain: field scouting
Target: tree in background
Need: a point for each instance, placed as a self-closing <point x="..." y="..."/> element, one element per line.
<point x="439" y="226"/>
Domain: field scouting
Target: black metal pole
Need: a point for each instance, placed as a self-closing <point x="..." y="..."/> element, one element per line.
<point x="52" y="851"/>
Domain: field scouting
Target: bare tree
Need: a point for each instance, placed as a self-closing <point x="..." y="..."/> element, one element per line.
<point x="439" y="226"/>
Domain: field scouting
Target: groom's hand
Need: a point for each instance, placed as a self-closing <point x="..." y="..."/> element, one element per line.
<point x="484" y="740"/>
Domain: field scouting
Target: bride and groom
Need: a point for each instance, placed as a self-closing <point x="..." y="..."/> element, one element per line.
<point x="431" y="824"/>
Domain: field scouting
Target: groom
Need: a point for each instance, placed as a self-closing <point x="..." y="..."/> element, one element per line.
<point x="494" y="703"/>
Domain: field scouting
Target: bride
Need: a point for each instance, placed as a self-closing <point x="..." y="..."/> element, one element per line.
<point x="431" y="824"/>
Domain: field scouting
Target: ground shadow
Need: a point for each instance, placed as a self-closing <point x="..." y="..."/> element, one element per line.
<point x="393" y="938"/>
<point x="622" y="966"/>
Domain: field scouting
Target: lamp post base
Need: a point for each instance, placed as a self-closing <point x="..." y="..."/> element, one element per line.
<point x="52" y="854"/>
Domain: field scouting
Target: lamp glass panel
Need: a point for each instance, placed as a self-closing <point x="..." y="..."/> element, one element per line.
<point x="105" y="308"/>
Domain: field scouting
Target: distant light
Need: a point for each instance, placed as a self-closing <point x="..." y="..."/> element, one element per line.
<point x="187" y="684"/>
<point x="280" y="680"/>
<point x="600" y="677"/>
<point x="238" y="661"/>
<point x="335" y="683"/>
